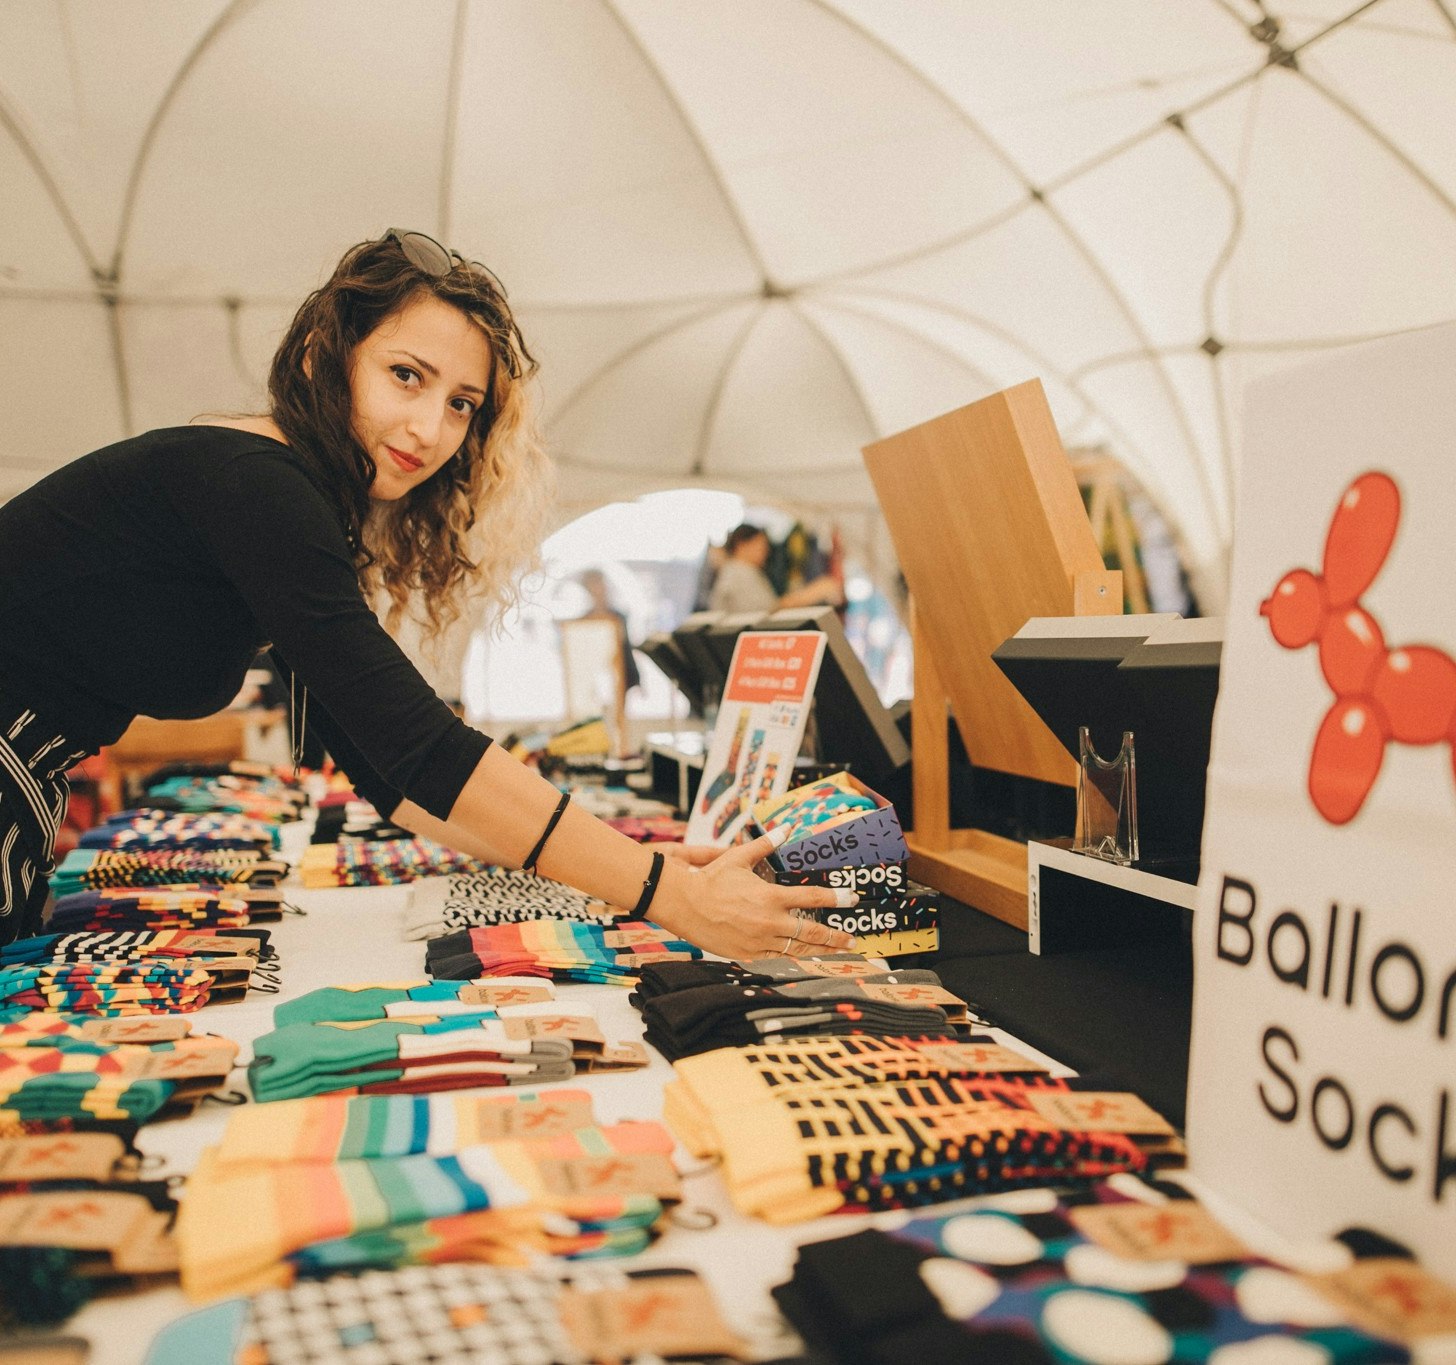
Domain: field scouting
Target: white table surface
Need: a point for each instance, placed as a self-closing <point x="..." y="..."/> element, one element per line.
<point x="352" y="935"/>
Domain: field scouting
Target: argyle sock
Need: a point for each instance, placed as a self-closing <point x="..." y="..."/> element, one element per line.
<point x="1077" y="1277"/>
<point x="145" y="829"/>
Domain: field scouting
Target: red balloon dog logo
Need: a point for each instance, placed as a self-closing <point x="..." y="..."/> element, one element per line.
<point x="1405" y="694"/>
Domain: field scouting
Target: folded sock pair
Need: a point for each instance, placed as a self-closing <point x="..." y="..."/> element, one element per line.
<point x="793" y="1151"/>
<point x="156" y="987"/>
<point x="380" y="864"/>
<point x="496" y="895"/>
<point x="95" y="869"/>
<point x="510" y="1317"/>
<point x="138" y="830"/>
<point x="607" y="954"/>
<point x="144" y="908"/>
<point x="385" y="1056"/>
<point x="687" y="1022"/>
<point x="585" y="1191"/>
<point x="339" y="1004"/>
<point x="1125" y="1271"/>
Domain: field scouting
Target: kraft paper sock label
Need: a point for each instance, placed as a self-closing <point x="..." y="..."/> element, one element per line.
<point x="486" y="994"/>
<point x="1391" y="1297"/>
<point x="60" y="1156"/>
<point x="990" y="1058"/>
<point x="610" y="1177"/>
<point x="1099" y="1112"/>
<point x="654" y="1316"/>
<point x="1179" y="1230"/>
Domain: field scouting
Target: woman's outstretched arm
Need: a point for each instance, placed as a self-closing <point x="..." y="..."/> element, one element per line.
<point x="722" y="906"/>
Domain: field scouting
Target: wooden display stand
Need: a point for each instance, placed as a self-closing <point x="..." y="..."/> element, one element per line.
<point x="983" y="508"/>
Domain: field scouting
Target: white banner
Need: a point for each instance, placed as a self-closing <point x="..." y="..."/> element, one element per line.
<point x="1323" y="1083"/>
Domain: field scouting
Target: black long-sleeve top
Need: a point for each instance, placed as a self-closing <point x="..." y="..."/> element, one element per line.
<point x="142" y="579"/>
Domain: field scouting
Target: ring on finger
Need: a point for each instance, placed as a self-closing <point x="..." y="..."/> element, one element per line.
<point x="789" y="941"/>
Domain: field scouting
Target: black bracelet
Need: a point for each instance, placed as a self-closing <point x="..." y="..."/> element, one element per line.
<point x="649" y="887"/>
<point x="534" y="856"/>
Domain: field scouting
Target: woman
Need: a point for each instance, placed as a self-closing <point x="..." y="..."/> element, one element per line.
<point x="398" y="456"/>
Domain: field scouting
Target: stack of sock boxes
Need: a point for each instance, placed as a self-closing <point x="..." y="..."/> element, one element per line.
<point x="861" y="850"/>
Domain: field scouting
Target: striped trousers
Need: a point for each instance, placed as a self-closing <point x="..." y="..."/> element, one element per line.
<point x="34" y="757"/>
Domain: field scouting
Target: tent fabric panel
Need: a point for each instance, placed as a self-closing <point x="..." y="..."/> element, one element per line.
<point x="822" y="158"/>
<point x="578" y="198"/>
<point x="57" y="386"/>
<point x="647" y="413"/>
<point x="787" y="402"/>
<point x="276" y="155"/>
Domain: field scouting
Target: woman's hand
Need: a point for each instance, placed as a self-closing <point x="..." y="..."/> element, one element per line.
<point x="694" y="855"/>
<point x="724" y="907"/>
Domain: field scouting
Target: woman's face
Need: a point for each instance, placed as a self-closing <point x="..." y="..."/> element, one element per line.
<point x="416" y="381"/>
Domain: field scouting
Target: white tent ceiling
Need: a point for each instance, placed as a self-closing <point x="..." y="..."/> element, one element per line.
<point x="744" y="236"/>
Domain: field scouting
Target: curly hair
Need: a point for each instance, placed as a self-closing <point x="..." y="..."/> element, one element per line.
<point x="472" y="528"/>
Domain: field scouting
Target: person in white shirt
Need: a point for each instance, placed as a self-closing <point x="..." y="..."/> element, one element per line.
<point x="742" y="585"/>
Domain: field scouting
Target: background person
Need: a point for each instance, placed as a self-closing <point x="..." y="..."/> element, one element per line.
<point x="743" y="586"/>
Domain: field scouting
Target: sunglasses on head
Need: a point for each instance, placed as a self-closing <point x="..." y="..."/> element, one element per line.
<point x="430" y="258"/>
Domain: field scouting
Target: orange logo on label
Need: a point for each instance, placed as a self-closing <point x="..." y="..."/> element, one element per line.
<point x="75" y="1213"/>
<point x="1383" y="695"/>
<point x="640" y="1311"/>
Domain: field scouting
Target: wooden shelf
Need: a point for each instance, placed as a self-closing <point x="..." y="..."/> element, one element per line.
<point x="982" y="869"/>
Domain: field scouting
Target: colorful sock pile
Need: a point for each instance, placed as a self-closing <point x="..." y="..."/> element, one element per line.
<point x="343" y="816"/>
<point x="464" y="1312"/>
<point x="692" y="1021"/>
<point x="50" y="1071"/>
<point x="329" y="1128"/>
<point x="389" y="1056"/>
<point x="667" y="977"/>
<point x="577" y="1191"/>
<point x="106" y="987"/>
<point x="97" y="869"/>
<point x="74" y="1221"/>
<point x="498" y="895"/>
<point x="604" y="954"/>
<point x="381" y="864"/>
<point x="819" y="805"/>
<point x="794" y="1151"/>
<point x="259" y="798"/>
<point x="151" y="908"/>
<point x="1126" y="1271"/>
<point x="230" y="960"/>
<point x="140" y="830"/>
